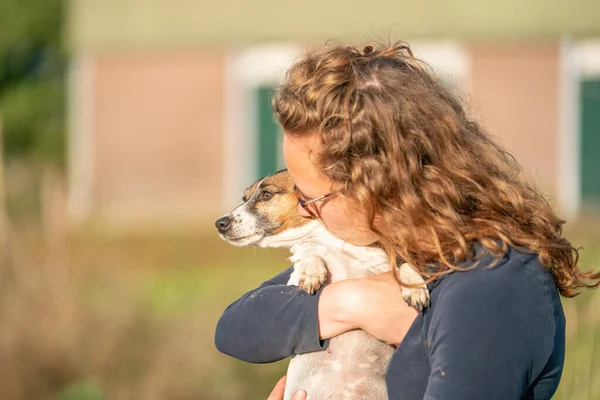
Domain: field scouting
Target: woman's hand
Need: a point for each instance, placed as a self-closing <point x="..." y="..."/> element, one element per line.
<point x="381" y="310"/>
<point x="374" y="304"/>
<point x="279" y="389"/>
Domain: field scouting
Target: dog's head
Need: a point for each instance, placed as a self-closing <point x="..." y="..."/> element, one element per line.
<point x="268" y="216"/>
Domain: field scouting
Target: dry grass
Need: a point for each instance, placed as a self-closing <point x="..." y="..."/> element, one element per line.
<point x="133" y="317"/>
<point x="129" y="317"/>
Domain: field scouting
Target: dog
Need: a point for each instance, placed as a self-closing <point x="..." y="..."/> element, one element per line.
<point x="354" y="364"/>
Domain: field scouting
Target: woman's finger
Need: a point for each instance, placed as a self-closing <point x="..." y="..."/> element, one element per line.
<point x="299" y="395"/>
<point x="278" y="390"/>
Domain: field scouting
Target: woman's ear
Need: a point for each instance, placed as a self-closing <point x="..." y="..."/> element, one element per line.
<point x="378" y="221"/>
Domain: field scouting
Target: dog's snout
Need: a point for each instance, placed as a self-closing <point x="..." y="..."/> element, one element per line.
<point x="223" y="224"/>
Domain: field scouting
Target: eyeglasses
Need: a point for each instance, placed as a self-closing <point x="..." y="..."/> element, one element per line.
<point x="306" y="203"/>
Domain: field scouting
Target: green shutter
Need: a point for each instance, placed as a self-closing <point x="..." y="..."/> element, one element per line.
<point x="590" y="140"/>
<point x="268" y="134"/>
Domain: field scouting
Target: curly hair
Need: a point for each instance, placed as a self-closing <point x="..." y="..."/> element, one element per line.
<point x="401" y="145"/>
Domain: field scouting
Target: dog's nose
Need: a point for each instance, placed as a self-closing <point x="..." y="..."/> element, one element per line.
<point x="223" y="224"/>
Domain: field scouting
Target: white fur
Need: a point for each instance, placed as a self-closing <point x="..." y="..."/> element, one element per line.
<point x="291" y="237"/>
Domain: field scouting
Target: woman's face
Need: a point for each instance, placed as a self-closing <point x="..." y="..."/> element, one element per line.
<point x="337" y="214"/>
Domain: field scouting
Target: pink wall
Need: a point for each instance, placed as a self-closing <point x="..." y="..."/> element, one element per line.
<point x="158" y="132"/>
<point x="515" y="93"/>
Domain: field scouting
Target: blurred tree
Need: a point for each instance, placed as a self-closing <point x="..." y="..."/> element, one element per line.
<point x="32" y="79"/>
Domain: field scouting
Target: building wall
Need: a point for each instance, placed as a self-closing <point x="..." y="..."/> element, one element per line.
<point x="173" y="135"/>
<point x="157" y="134"/>
<point x="94" y="24"/>
<point x="514" y="93"/>
<point x="164" y="93"/>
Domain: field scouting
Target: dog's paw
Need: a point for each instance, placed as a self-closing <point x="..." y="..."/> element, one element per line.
<point x="416" y="297"/>
<point x="312" y="273"/>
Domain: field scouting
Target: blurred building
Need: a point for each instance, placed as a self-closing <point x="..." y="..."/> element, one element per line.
<point x="170" y="111"/>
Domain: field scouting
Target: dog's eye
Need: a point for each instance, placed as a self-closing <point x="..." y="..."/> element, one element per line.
<point x="266" y="195"/>
<point x="244" y="199"/>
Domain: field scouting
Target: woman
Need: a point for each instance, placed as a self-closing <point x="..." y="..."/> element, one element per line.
<point x="409" y="170"/>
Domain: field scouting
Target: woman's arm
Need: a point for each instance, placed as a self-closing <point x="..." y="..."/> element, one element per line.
<point x="272" y="322"/>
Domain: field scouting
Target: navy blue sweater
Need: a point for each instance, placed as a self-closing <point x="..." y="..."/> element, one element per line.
<point x="490" y="333"/>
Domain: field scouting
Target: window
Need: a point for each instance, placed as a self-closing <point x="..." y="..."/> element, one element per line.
<point x="590" y="139"/>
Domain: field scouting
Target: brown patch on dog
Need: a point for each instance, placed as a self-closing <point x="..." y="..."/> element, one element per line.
<point x="281" y="207"/>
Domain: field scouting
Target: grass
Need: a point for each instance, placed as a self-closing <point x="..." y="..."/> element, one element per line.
<point x="581" y="377"/>
<point x="132" y="316"/>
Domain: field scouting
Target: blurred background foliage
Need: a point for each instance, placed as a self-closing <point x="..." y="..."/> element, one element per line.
<point x="32" y="80"/>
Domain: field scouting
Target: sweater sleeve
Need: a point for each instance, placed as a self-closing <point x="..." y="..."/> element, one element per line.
<point x="488" y="337"/>
<point x="270" y="323"/>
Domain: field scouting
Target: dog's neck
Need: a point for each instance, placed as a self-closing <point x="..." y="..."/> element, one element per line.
<point x="312" y="236"/>
<point x="292" y="237"/>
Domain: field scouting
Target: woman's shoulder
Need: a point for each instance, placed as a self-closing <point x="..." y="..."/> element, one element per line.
<point x="512" y="297"/>
<point x="517" y="279"/>
<point x="488" y="269"/>
<point x="505" y="315"/>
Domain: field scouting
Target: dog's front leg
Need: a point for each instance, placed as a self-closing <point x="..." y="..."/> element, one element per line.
<point x="417" y="297"/>
<point x="310" y="273"/>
